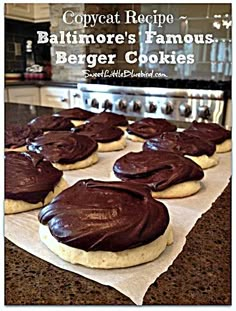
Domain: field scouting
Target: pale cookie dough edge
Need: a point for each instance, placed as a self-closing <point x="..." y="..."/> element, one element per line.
<point x="113" y="145"/>
<point x="17" y="206"/>
<point x="204" y="161"/>
<point x="90" y="160"/>
<point x="106" y="259"/>
<point x="224" y="147"/>
<point x="180" y="190"/>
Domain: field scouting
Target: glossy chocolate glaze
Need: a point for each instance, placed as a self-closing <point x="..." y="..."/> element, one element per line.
<point x="110" y="118"/>
<point x="109" y="216"/>
<point x="150" y="127"/>
<point x="62" y="146"/>
<point x="51" y="123"/>
<point x="28" y="177"/>
<point x="16" y="135"/>
<point x="210" y="131"/>
<point x="181" y="143"/>
<point x="157" y="169"/>
<point x="75" y="114"/>
<point x="102" y="133"/>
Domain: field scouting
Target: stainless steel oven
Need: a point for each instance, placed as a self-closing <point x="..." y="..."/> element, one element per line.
<point x="175" y="104"/>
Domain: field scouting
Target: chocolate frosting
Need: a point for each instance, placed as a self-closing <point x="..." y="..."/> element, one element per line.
<point x="51" y="123"/>
<point x="16" y="135"/>
<point x="63" y="147"/>
<point x="109" y="216"/>
<point x="102" y="133"/>
<point x="181" y="143"/>
<point x="210" y="131"/>
<point x="157" y="169"/>
<point x="110" y="118"/>
<point x="75" y="114"/>
<point x="28" y="177"/>
<point x="150" y="127"/>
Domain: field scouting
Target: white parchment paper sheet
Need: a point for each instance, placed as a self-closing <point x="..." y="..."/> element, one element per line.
<point x="22" y="229"/>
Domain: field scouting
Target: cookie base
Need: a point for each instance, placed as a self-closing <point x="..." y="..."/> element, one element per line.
<point x="135" y="138"/>
<point x="19" y="149"/>
<point x="17" y="206"/>
<point x="92" y="159"/>
<point x="204" y="161"/>
<point x="180" y="190"/>
<point x="106" y="259"/>
<point x="113" y="145"/>
<point x="224" y="147"/>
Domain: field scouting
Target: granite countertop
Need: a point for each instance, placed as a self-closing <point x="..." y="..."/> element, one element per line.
<point x="41" y="83"/>
<point x="201" y="274"/>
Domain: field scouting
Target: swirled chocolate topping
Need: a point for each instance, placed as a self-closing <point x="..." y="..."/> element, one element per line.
<point x="75" y="114"/>
<point x="157" y="169"/>
<point x="51" y="123"/>
<point x="150" y="127"/>
<point x="16" y="135"/>
<point x="109" y="216"/>
<point x="110" y="118"/>
<point x="210" y="131"/>
<point x="181" y="143"/>
<point x="63" y="147"/>
<point x="102" y="133"/>
<point x="28" y="177"/>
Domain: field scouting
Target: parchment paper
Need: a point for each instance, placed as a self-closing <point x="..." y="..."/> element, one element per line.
<point x="22" y="229"/>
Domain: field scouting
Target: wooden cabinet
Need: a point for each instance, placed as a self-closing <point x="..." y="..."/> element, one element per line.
<point x="6" y="95"/>
<point x="55" y="97"/>
<point x="31" y="12"/>
<point x="48" y="96"/>
<point x="24" y="95"/>
<point x="41" y="12"/>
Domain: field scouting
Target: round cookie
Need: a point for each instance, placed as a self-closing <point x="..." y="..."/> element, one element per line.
<point x="16" y="136"/>
<point x="201" y="151"/>
<point x="110" y="119"/>
<point x="76" y="115"/>
<point x="168" y="175"/>
<point x="120" y="225"/>
<point x="30" y="182"/>
<point x="212" y="132"/>
<point x="65" y="150"/>
<point x="147" y="128"/>
<point x="108" y="138"/>
<point x="51" y="123"/>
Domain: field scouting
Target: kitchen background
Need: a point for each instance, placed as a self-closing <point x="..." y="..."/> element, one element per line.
<point x="212" y="61"/>
<point x="212" y="68"/>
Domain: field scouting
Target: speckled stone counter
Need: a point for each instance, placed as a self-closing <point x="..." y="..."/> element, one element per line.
<point x="201" y="274"/>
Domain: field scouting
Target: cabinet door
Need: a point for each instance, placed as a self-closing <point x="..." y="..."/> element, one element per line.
<point x="55" y="97"/>
<point x="76" y="98"/>
<point x="23" y="11"/>
<point x="6" y="95"/>
<point x="41" y="12"/>
<point x="33" y="12"/>
<point x="24" y="95"/>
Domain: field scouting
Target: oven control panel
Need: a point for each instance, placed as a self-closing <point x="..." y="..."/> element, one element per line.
<point x="171" y="104"/>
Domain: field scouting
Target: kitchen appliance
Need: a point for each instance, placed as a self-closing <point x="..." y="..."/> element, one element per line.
<point x="174" y="104"/>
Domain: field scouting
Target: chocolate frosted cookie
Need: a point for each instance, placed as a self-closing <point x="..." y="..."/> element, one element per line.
<point x="30" y="182"/>
<point x="212" y="132"/>
<point x="147" y="128"/>
<point x="106" y="224"/>
<point x="111" y="119"/>
<point x="201" y="151"/>
<point x="66" y="150"/>
<point x="167" y="174"/>
<point x="76" y="115"/>
<point x="108" y="138"/>
<point x="16" y="135"/>
<point x="51" y="123"/>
